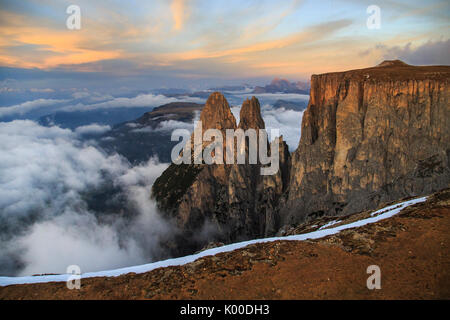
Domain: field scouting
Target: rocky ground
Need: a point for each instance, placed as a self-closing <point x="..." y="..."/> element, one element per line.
<point x="410" y="248"/>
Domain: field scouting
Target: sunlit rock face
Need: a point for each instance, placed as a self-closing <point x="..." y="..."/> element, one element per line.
<point x="370" y="136"/>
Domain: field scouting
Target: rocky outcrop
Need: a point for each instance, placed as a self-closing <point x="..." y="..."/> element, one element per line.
<point x="370" y="136"/>
<point x="223" y="202"/>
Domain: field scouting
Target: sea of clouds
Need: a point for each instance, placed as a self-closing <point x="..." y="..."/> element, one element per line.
<point x="288" y="123"/>
<point x="86" y="101"/>
<point x="46" y="223"/>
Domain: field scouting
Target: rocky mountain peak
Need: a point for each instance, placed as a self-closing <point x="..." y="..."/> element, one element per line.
<point x="250" y="115"/>
<point x="217" y="113"/>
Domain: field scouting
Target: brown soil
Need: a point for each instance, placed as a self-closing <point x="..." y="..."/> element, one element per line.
<point x="411" y="250"/>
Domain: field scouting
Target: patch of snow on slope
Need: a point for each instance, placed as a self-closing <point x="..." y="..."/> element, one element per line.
<point x="391" y="207"/>
<point x="329" y="224"/>
<point x="387" y="212"/>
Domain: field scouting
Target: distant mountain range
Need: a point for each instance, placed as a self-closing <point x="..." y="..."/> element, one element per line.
<point x="283" y="86"/>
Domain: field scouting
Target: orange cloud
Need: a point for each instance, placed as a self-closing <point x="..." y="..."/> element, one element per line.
<point x="179" y="12"/>
<point x="48" y="47"/>
<point x="154" y="37"/>
<point x="309" y="35"/>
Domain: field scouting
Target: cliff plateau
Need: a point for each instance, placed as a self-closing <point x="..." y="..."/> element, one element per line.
<point x="370" y="136"/>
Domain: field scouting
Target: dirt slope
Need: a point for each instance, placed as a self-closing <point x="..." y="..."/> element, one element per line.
<point x="410" y="248"/>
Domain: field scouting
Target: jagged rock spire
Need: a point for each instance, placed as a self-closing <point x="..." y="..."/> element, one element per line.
<point x="217" y="113"/>
<point x="250" y="116"/>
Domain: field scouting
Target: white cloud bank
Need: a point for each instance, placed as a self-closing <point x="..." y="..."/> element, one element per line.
<point x="92" y="129"/>
<point x="142" y="100"/>
<point x="21" y="109"/>
<point x="288" y="122"/>
<point x="90" y="102"/>
<point x="46" y="223"/>
<point x="166" y="126"/>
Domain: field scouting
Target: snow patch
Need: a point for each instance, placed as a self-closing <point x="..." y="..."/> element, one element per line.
<point x="329" y="224"/>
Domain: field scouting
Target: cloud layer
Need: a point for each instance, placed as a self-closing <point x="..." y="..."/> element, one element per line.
<point x="28" y="106"/>
<point x="142" y="100"/>
<point x="46" y="178"/>
<point x="88" y="101"/>
<point x="288" y="122"/>
<point x="92" y="129"/>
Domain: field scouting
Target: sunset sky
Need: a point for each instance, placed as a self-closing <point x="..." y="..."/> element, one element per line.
<point x="181" y="42"/>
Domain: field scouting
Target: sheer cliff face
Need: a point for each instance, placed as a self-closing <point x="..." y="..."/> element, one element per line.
<point x="224" y="202"/>
<point x="369" y="136"/>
